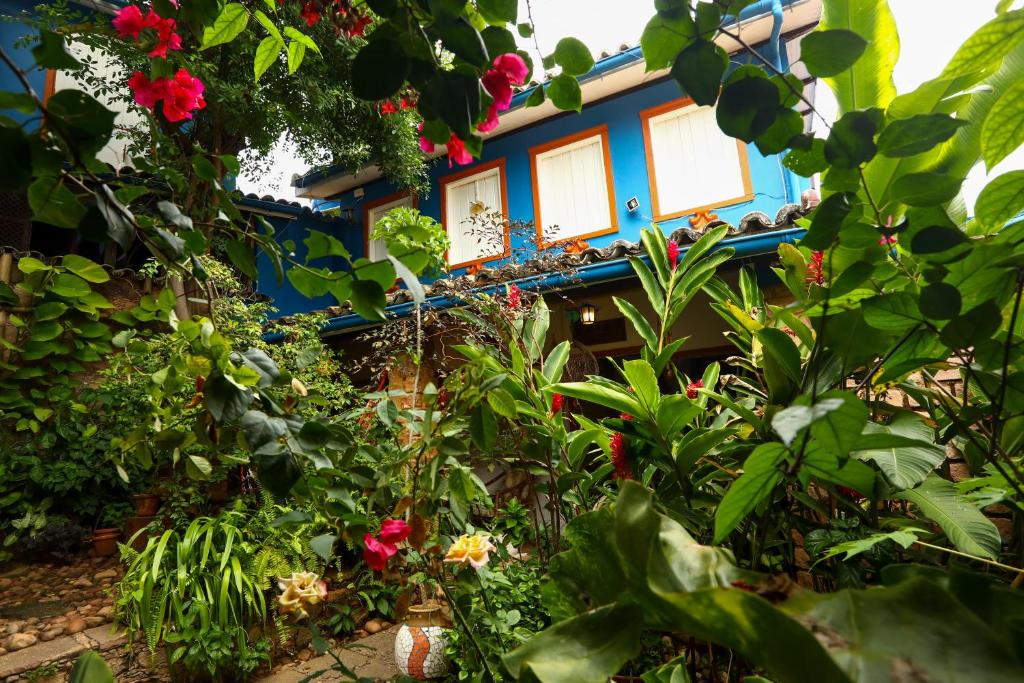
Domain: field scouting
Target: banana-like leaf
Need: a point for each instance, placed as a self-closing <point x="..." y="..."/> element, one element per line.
<point x="963" y="523"/>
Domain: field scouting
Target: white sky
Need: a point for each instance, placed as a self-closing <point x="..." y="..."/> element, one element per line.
<point x="930" y="31"/>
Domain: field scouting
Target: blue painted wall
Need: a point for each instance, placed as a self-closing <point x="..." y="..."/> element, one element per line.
<point x="10" y="33"/>
<point x="629" y="168"/>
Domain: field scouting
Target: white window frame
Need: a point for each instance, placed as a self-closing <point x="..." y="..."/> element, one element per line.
<point x="376" y="250"/>
<point x="740" y="188"/>
<point x="569" y="233"/>
<point x="495" y="169"/>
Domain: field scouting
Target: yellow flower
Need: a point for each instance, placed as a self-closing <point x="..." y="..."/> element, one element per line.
<point x="472" y="550"/>
<point x="302" y="590"/>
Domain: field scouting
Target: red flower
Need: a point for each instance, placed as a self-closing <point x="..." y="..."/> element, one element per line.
<point x="556" y="403"/>
<point x="691" y="389"/>
<point x="626" y="416"/>
<point x="426" y="145"/>
<point x="509" y="69"/>
<point x="442" y="399"/>
<point x="377" y="553"/>
<point x="146" y="92"/>
<point x="815" y="273"/>
<point x="358" y="28"/>
<point x="619" y="459"/>
<point x="887" y="240"/>
<point x="408" y="102"/>
<point x="311" y="14"/>
<point x="166" y="38"/>
<point x="673" y="253"/>
<point x="457" y="152"/>
<point x="394" y="531"/>
<point x="129" y="22"/>
<point x="492" y="120"/>
<point x="184" y="94"/>
<point x="514" y="298"/>
<point x="388" y="107"/>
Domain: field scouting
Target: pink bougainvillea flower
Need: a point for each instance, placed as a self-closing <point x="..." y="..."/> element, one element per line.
<point x="514" y="298"/>
<point x="394" y="531"/>
<point x="556" y="403"/>
<point x="166" y="38"/>
<point x="509" y="69"/>
<point x="457" y="152"/>
<point x="129" y="22"/>
<point x="184" y="95"/>
<point x="491" y="122"/>
<point x="146" y="92"/>
<point x="619" y="459"/>
<point x="376" y="553"/>
<point x="673" y="253"/>
<point x="692" y="387"/>
<point x="311" y="14"/>
<point x="388" y="107"/>
<point x="815" y="273"/>
<point x="426" y="145"/>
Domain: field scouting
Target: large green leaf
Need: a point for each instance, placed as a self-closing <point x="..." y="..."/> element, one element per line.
<point x="229" y="23"/>
<point x="1000" y="200"/>
<point x="868" y="83"/>
<point x="618" y="400"/>
<point x="904" y="449"/>
<point x="761" y="473"/>
<point x="831" y="52"/>
<point x="90" y="668"/>
<point x="965" y="526"/>
<point x="984" y="49"/>
<point x="1003" y="130"/>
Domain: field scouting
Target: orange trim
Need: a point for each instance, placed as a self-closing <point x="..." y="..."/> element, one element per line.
<point x="601" y="131"/>
<point x="386" y="199"/>
<point x="503" y="188"/>
<point x="49" y="84"/>
<point x="645" y="120"/>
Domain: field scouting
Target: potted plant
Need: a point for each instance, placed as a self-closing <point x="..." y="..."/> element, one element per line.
<point x="146" y="504"/>
<point x="107" y="531"/>
<point x="418" y="241"/>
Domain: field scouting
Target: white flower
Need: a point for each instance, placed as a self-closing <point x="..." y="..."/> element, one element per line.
<point x="302" y="590"/>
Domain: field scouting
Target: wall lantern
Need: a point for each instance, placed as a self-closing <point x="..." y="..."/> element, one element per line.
<point x="588" y="314"/>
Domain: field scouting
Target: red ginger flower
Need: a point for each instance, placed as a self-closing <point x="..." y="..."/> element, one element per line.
<point x="556" y="403"/>
<point x="376" y="553"/>
<point x="514" y="298"/>
<point x="626" y="416"/>
<point x="673" y="253"/>
<point x="311" y="13"/>
<point x="388" y="107"/>
<point x="691" y="389"/>
<point x="815" y="273"/>
<point x="619" y="459"/>
<point x="394" y="531"/>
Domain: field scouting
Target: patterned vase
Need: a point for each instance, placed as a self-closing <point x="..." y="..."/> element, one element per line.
<point x="420" y="643"/>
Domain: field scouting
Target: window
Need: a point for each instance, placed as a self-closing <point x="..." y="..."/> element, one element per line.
<point x="373" y="211"/>
<point x="572" y="187"/>
<point x="480" y="190"/>
<point x="691" y="165"/>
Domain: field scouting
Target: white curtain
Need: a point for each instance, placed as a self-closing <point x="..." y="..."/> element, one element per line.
<point x="573" y="188"/>
<point x="483" y="193"/>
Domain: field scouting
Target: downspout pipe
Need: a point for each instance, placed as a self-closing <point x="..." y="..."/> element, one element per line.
<point x="605" y="271"/>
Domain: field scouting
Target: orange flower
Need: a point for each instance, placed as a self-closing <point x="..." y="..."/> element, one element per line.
<point x="472" y="550"/>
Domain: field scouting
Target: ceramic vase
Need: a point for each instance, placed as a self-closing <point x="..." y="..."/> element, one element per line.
<point x="420" y="643"/>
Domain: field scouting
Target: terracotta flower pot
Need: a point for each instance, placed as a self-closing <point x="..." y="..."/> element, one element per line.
<point x="104" y="542"/>
<point x="420" y="643"/>
<point x="146" y="504"/>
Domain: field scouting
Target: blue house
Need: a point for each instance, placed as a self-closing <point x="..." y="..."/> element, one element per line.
<point x="639" y="153"/>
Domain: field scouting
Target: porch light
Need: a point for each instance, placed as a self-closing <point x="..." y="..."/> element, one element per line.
<point x="588" y="314"/>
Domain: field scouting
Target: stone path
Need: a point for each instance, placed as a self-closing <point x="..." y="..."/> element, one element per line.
<point x="62" y="652"/>
<point x="371" y="657"/>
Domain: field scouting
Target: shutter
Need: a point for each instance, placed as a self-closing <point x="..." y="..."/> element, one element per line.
<point x="572" y="186"/>
<point x="695" y="164"/>
<point x="470" y="242"/>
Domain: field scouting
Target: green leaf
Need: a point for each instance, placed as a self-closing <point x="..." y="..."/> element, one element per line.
<point x="618" y="400"/>
<point x="1003" y="129"/>
<point x="460" y="38"/>
<point x="904" y="537"/>
<point x="51" y="52"/>
<point x="266" y="54"/>
<point x="972" y="327"/>
<point x="590" y="647"/>
<point x="965" y="526"/>
<point x="412" y="283"/>
<point x="826" y="221"/>
<point x="868" y="83"/>
<point x="936" y="239"/>
<point x="229" y="23"/>
<point x="368" y="299"/>
<point x="699" y="69"/>
<point x="564" y="92"/>
<point x="761" y="474"/>
<point x="895" y="311"/>
<point x="496" y="11"/>
<point x="483" y="427"/>
<point x="300" y="37"/>
<point x="296" y="53"/>
<point x="555" y="361"/>
<point x="502" y="403"/>
<point x="925" y="189"/>
<point x="940" y="301"/>
<point x="1000" y="200"/>
<point x="851" y="141"/>
<point x="536" y="98"/>
<point x="904" y="449"/>
<point x="84" y="268"/>
<point x="831" y="52"/>
<point x="69" y="286"/>
<point x="83" y="119"/>
<point x="807" y="162"/>
<point x="573" y="56"/>
<point x="90" y="667"/>
<point x="644" y="384"/>
<point x="379" y="70"/>
<point x="917" y="134"/>
<point x="268" y="24"/>
<point x="323" y="545"/>
<point x="788" y="125"/>
<point x="241" y="254"/>
<point x="53" y="203"/>
<point x="225" y="400"/>
<point x="748" y="104"/>
<point x="640" y="324"/>
<point x="986" y="47"/>
<point x="664" y="38"/>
